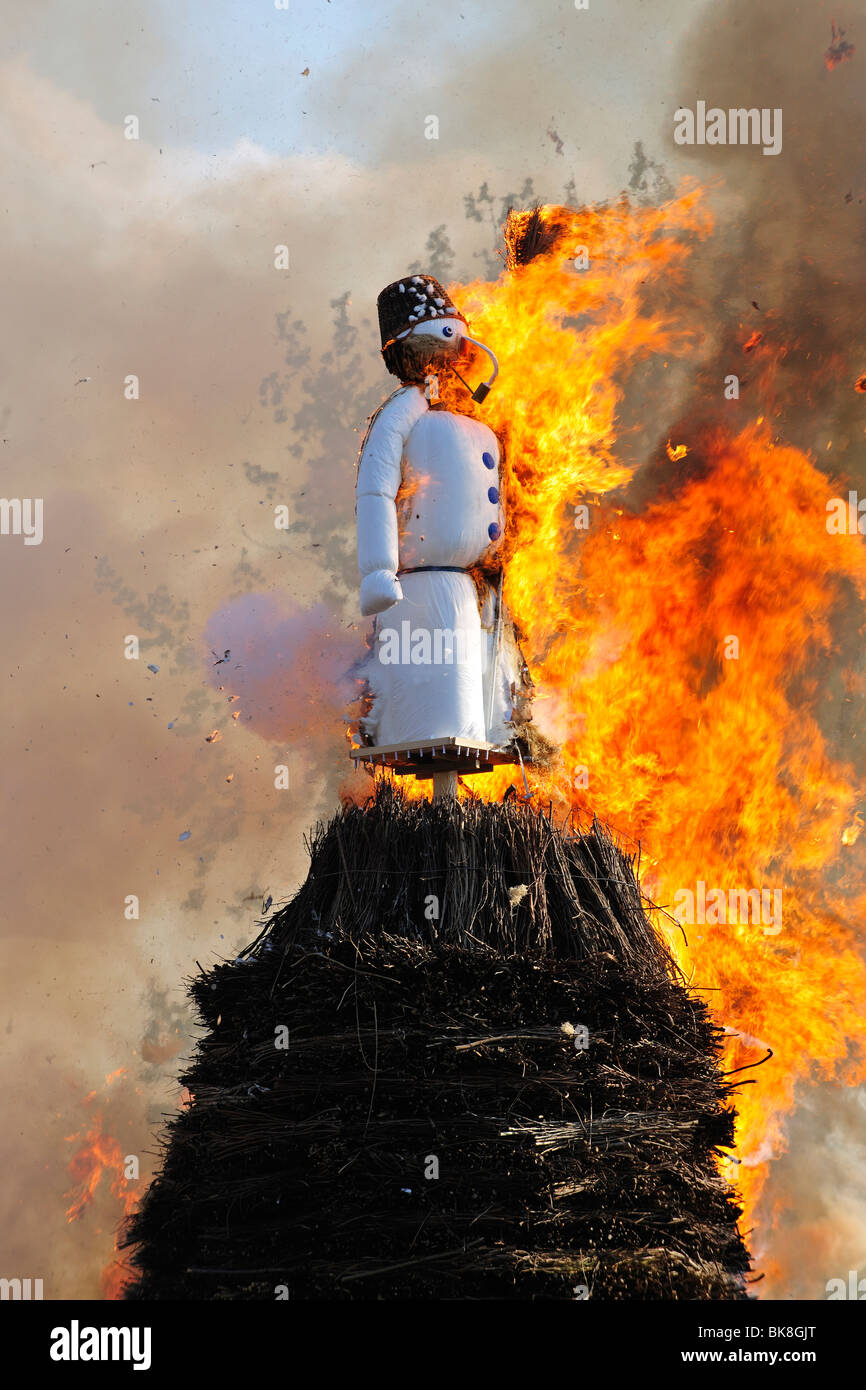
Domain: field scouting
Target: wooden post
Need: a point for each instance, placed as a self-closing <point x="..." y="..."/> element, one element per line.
<point x="444" y="786"/>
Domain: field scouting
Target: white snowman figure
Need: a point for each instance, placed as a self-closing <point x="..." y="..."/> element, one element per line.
<point x="444" y="659"/>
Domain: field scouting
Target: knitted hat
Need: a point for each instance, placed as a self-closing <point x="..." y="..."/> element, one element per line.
<point x="412" y="300"/>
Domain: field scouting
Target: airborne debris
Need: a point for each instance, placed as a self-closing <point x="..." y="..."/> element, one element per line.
<point x="552" y="135"/>
<point x="839" y="49"/>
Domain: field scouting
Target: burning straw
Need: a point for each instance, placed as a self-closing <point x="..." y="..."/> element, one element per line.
<point x="495" y="1083"/>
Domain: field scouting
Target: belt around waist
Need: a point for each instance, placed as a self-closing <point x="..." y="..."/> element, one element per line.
<point x="434" y="569"/>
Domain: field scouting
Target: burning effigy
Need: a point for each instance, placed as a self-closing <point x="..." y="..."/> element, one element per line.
<point x="462" y="1061"/>
<point x="445" y="676"/>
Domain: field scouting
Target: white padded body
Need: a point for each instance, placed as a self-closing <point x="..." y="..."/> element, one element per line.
<point x="446" y="506"/>
<point x="428" y="495"/>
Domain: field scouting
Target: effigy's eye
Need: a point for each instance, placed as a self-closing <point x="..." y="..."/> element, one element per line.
<point x="447" y="330"/>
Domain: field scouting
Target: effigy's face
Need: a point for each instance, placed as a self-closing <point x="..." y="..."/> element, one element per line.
<point x="444" y="340"/>
<point x="451" y="331"/>
<point x="449" y="341"/>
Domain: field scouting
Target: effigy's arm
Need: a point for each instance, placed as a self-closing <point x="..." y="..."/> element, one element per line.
<point x="379" y="477"/>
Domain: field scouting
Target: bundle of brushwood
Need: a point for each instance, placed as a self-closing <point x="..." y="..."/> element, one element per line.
<point x="459" y="1064"/>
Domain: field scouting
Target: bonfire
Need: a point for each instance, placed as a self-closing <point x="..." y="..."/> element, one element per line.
<point x="458" y="1064"/>
<point x="473" y="1057"/>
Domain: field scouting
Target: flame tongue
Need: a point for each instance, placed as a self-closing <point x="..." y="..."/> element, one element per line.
<point x="702" y="739"/>
<point x="675" y="651"/>
<point x="98" y="1155"/>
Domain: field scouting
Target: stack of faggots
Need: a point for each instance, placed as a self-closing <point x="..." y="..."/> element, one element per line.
<point x="458" y="1064"/>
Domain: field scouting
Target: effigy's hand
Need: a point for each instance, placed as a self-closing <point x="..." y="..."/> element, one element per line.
<point x="380" y="590"/>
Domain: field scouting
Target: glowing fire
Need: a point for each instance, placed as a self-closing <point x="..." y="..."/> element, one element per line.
<point x="98" y="1155"/>
<point x="675" y="649"/>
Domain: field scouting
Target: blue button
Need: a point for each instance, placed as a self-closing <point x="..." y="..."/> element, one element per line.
<point x="493" y="530"/>
<point x="493" y="494"/>
<point x="488" y="460"/>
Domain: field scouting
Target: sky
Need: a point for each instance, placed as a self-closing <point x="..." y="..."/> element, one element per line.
<point x="154" y="258"/>
<point x="223" y="74"/>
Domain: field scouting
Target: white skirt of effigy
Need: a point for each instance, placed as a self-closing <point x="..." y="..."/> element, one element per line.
<point x="426" y="670"/>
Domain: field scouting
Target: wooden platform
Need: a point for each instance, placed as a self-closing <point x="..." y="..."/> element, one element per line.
<point x="433" y="756"/>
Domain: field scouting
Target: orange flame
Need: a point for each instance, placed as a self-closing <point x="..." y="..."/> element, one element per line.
<point x="100" y="1155"/>
<point x="675" y="650"/>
